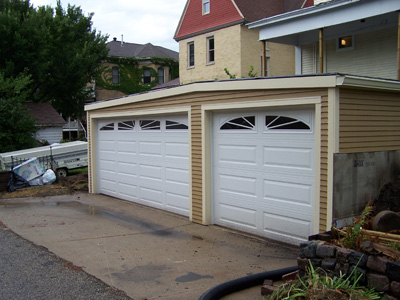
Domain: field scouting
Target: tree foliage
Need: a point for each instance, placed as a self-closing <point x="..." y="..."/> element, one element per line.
<point x="17" y="125"/>
<point x="58" y="48"/>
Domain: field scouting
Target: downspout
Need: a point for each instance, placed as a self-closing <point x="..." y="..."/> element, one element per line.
<point x="321" y="50"/>
<point x="398" y="48"/>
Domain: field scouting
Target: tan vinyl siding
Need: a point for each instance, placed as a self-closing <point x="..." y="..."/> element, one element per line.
<point x="196" y="100"/>
<point x="324" y="164"/>
<point x="369" y="121"/>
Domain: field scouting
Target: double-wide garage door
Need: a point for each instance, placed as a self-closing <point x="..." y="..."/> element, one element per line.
<point x="264" y="172"/>
<point x="145" y="160"/>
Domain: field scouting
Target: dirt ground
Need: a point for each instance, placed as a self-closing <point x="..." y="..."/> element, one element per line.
<point x="63" y="186"/>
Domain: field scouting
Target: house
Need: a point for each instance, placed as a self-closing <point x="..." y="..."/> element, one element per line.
<point x="131" y="68"/>
<point x="48" y="120"/>
<point x="346" y="36"/>
<point x="254" y="154"/>
<point x="213" y="36"/>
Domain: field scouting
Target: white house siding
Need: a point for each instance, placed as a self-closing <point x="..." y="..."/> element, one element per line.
<point x="309" y="59"/>
<point x="374" y="55"/>
<point x="50" y="134"/>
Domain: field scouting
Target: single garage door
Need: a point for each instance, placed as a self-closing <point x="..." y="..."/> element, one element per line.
<point x="145" y="160"/>
<point x="264" y="172"/>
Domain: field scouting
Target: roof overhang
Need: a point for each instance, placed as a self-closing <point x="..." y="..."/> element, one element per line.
<point x="261" y="83"/>
<point x="341" y="15"/>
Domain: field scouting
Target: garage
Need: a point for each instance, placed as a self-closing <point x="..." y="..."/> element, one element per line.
<point x="145" y="160"/>
<point x="264" y="172"/>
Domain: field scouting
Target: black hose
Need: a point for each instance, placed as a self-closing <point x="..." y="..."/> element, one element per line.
<point x="242" y="283"/>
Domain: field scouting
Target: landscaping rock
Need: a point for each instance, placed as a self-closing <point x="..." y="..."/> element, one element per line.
<point x="377" y="263"/>
<point x="328" y="263"/>
<point x="324" y="251"/>
<point x="379" y="282"/>
<point x="358" y="258"/>
<point x="342" y="255"/>
<point x="308" y="249"/>
<point x="393" y="270"/>
<point x="388" y="198"/>
<point x="302" y="263"/>
<point x="395" y="288"/>
<point x="386" y="221"/>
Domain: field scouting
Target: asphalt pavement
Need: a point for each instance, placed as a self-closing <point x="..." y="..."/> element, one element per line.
<point x="28" y="271"/>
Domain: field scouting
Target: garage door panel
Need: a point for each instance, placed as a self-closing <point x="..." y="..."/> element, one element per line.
<point x="286" y="191"/>
<point x="283" y="225"/>
<point x="177" y="151"/>
<point x="264" y="172"/>
<point x="150" y="172"/>
<point x="238" y="185"/>
<point x="150" y="149"/>
<point x="178" y="203"/>
<point x="238" y="216"/>
<point x="288" y="157"/>
<point x="143" y="165"/>
<point x="151" y="195"/>
<point x="237" y="154"/>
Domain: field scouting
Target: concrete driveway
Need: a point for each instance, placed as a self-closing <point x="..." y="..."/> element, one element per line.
<point x="148" y="253"/>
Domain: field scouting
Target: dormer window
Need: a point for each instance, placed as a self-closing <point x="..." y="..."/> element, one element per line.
<point x="206" y="7"/>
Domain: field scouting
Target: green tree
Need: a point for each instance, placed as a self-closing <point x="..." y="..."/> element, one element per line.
<point x="17" y="125"/>
<point x="57" y="47"/>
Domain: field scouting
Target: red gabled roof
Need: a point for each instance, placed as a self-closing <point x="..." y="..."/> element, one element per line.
<point x="221" y="12"/>
<point x="225" y="13"/>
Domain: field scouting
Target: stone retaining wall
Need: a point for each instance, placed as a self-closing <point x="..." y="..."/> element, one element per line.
<point x="378" y="272"/>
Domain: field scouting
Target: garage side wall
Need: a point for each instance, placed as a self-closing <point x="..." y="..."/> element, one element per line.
<point x="196" y="100"/>
<point x="369" y="121"/>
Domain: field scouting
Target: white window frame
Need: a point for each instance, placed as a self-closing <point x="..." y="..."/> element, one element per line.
<point x="161" y="70"/>
<point x="209" y="50"/>
<point x="338" y="40"/>
<point x="206" y="7"/>
<point x="189" y="65"/>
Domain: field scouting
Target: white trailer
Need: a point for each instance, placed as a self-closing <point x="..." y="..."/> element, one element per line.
<point x="58" y="157"/>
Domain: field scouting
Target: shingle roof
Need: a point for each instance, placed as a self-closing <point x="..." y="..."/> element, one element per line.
<point x="45" y="114"/>
<point x="139" y="51"/>
<point x="225" y="13"/>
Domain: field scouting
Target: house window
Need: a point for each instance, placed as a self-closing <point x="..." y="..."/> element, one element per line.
<point x="126" y="125"/>
<point x="206" y="7"/>
<point x="242" y="123"/>
<point x="115" y="75"/>
<point x="191" y="54"/>
<point x="161" y="76"/>
<point x="146" y="76"/>
<point x="150" y="124"/>
<point x="281" y="122"/>
<point x="210" y="50"/>
<point x="346" y="42"/>
<point x="175" y="125"/>
<point x="109" y="126"/>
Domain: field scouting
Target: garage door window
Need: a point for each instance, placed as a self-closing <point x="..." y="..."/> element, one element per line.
<point x="242" y="123"/>
<point x="280" y="122"/>
<point x="126" y="125"/>
<point x="170" y="125"/>
<point x="108" y="127"/>
<point x="150" y="125"/>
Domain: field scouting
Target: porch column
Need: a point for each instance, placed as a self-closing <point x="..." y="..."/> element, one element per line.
<point x="321" y="50"/>
<point x="263" y="59"/>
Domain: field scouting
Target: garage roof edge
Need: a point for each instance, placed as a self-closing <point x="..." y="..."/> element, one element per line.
<point x="260" y="83"/>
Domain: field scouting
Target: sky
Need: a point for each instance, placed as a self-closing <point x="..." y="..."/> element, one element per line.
<point x="139" y="21"/>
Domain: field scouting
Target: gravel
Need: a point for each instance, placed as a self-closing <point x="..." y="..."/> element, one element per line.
<point x="28" y="271"/>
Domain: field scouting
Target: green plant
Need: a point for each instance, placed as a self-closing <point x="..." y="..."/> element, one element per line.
<point x="317" y="282"/>
<point x="251" y="74"/>
<point x="231" y="76"/>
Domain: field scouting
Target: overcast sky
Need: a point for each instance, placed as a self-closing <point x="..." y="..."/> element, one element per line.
<point x="140" y="21"/>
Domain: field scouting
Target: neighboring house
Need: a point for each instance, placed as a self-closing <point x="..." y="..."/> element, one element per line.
<point x="49" y="121"/>
<point x="346" y="36"/>
<point x="132" y="68"/>
<point x="212" y="36"/>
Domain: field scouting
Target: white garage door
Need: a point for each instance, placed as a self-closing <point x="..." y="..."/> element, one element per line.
<point x="145" y="160"/>
<point x="264" y="172"/>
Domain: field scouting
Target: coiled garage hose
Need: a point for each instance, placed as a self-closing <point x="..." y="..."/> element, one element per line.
<point x="242" y="283"/>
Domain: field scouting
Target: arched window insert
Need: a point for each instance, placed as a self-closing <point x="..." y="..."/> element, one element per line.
<point x="175" y="125"/>
<point x="242" y="123"/>
<point x="108" y="127"/>
<point x="150" y="125"/>
<point x="280" y="122"/>
<point x="126" y="125"/>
